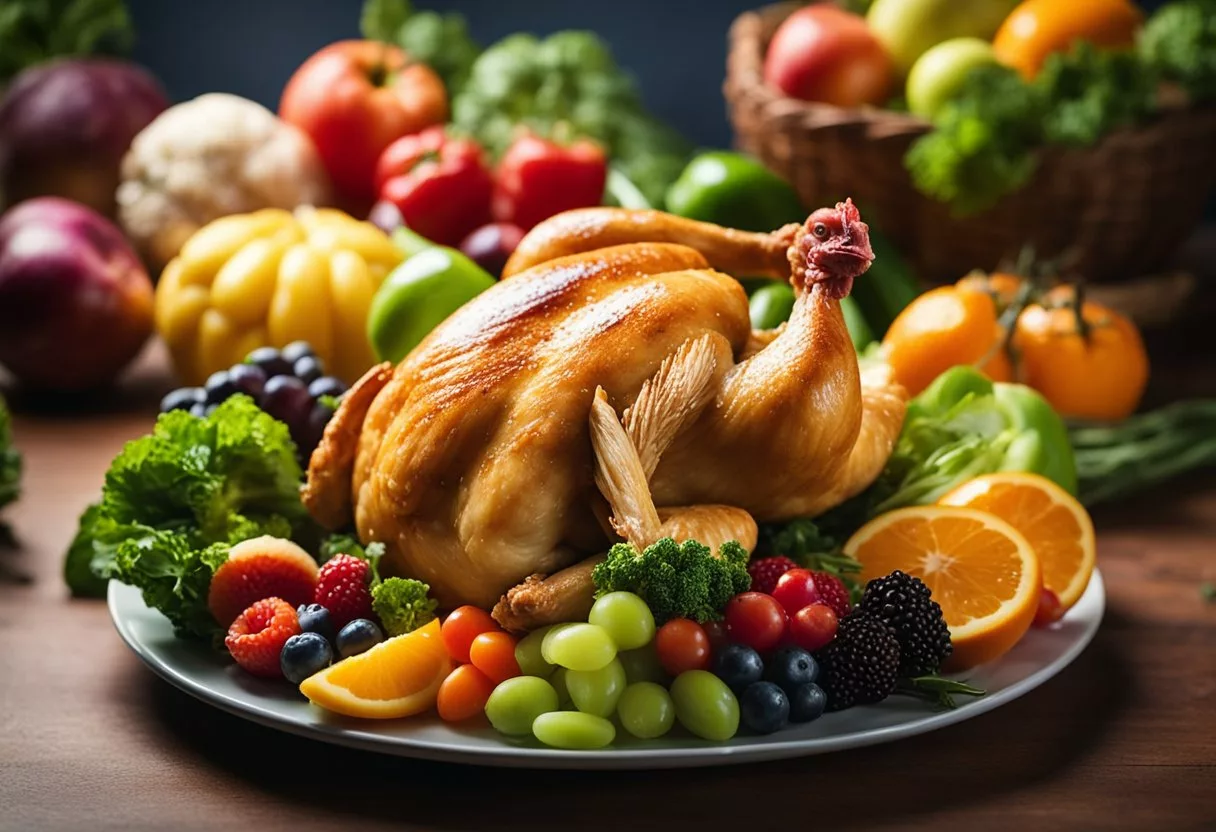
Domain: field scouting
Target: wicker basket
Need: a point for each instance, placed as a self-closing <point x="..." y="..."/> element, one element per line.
<point x="1114" y="211"/>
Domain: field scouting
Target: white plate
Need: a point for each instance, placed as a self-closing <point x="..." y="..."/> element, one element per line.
<point x="213" y="678"/>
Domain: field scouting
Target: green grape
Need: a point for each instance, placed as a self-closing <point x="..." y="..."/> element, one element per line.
<point x="516" y="703"/>
<point x="643" y="665"/>
<point x="626" y="618"/>
<point x="574" y="730"/>
<point x="579" y="647"/>
<point x="705" y="705"/>
<point x="646" y="710"/>
<point x="558" y="680"/>
<point x="546" y="641"/>
<point x="528" y="654"/>
<point x="597" y="691"/>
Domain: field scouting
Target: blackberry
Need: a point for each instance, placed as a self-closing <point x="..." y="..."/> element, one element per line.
<point x="859" y="666"/>
<point x="904" y="603"/>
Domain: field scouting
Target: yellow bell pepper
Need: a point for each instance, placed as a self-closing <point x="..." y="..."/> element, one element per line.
<point x="270" y="278"/>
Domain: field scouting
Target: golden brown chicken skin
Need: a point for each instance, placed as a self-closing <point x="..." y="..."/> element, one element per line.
<point x="474" y="463"/>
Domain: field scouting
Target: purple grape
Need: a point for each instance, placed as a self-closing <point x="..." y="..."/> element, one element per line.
<point x="286" y="399"/>
<point x="182" y="399"/>
<point x="270" y="361"/>
<point x="318" y="418"/>
<point x="219" y="387"/>
<point x="326" y="386"/>
<point x="307" y="369"/>
<point x="296" y="350"/>
<point x="248" y="378"/>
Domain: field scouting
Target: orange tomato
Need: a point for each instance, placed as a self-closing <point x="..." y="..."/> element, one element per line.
<point x="1037" y="28"/>
<point x="1098" y="375"/>
<point x="942" y="328"/>
<point x="463" y="694"/>
<point x="494" y="655"/>
<point x="462" y="625"/>
<point x="1004" y="288"/>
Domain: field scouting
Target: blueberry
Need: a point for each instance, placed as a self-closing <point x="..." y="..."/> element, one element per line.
<point x="326" y="386"/>
<point x="307" y="369"/>
<point x="790" y="667"/>
<point x="357" y="637"/>
<point x="248" y="379"/>
<point x="270" y="361"/>
<point x="303" y="655"/>
<point x="219" y="387"/>
<point x="182" y="399"/>
<point x="807" y="702"/>
<point x="314" y="618"/>
<point x="738" y="666"/>
<point x="764" y="707"/>
<point x="296" y="350"/>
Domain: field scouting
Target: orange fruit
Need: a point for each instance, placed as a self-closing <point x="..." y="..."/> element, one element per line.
<point x="1057" y="527"/>
<point x="398" y="677"/>
<point x="980" y="569"/>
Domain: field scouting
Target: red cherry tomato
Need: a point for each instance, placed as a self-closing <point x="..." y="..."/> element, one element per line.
<point x="463" y="694"/>
<point x="682" y="645"/>
<point x="1050" y="609"/>
<point x="813" y="626"/>
<point x="716" y="630"/>
<point x="493" y="654"/>
<point x="796" y="589"/>
<point x="462" y="626"/>
<point x="757" y="620"/>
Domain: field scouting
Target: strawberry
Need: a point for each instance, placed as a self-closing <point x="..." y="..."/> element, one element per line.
<point x="766" y="571"/>
<point x="833" y="592"/>
<point x="262" y="567"/>
<point x="257" y="636"/>
<point x="343" y="588"/>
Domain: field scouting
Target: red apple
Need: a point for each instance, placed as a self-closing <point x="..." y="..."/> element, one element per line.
<point x="65" y="126"/>
<point x="353" y="99"/>
<point x="75" y="301"/>
<point x="822" y="53"/>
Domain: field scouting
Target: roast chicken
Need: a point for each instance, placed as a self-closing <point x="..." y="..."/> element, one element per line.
<point x="610" y="387"/>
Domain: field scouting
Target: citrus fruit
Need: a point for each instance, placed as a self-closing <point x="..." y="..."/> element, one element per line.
<point x="398" y="677"/>
<point x="1057" y="527"/>
<point x="980" y="569"/>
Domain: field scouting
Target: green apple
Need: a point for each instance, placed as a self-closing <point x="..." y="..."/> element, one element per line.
<point x="908" y="28"/>
<point x="937" y="75"/>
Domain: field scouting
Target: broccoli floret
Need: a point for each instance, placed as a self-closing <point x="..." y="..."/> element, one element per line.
<point x="676" y="580"/>
<point x="402" y="605"/>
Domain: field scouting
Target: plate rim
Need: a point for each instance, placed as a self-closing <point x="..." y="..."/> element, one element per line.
<point x="709" y="754"/>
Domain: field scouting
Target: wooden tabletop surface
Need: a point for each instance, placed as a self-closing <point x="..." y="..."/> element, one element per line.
<point x="91" y="739"/>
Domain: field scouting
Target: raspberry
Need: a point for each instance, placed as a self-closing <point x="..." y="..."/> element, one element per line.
<point x="257" y="636"/>
<point x="263" y="567"/>
<point x="766" y="571"/>
<point x="833" y="592"/>
<point x="342" y="588"/>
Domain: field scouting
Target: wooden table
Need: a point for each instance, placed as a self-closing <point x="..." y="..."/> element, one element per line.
<point x="90" y="739"/>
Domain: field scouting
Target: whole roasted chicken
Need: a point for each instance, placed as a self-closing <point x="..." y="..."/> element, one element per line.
<point x="610" y="386"/>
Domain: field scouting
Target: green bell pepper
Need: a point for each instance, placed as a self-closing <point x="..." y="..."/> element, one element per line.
<point x="736" y="191"/>
<point x="418" y="295"/>
<point x="1041" y="445"/>
<point x="770" y="306"/>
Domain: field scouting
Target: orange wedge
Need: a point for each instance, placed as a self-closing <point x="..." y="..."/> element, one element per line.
<point x="1057" y="527"/>
<point x="980" y="569"/>
<point x="398" y="677"/>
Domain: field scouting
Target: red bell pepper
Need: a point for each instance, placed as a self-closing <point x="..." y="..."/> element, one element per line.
<point x="441" y="185"/>
<point x="538" y="178"/>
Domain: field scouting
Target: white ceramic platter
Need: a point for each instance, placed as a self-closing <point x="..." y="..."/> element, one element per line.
<point x="213" y="678"/>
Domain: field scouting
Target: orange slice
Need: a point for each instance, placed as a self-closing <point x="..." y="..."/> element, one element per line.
<point x="398" y="677"/>
<point x="1057" y="527"/>
<point x="980" y="569"/>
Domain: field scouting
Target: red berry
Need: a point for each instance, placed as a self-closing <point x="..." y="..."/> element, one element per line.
<point x="682" y="645"/>
<point x="257" y="636"/>
<point x="342" y="588"/>
<point x="757" y="620"/>
<point x="766" y="571"/>
<point x="263" y="567"/>
<point x="834" y="593"/>
<point x="813" y="626"/>
<point x="796" y="589"/>
<point x="1050" y="609"/>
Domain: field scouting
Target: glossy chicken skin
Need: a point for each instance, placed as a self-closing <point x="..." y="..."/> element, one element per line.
<point x="473" y="462"/>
